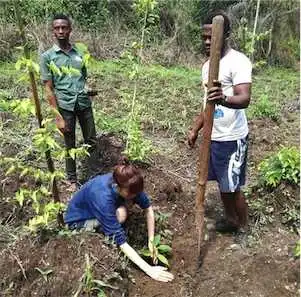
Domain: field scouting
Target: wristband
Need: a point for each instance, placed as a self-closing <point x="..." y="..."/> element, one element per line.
<point x="225" y="100"/>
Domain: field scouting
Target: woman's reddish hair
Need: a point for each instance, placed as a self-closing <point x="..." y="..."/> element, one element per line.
<point x="129" y="177"/>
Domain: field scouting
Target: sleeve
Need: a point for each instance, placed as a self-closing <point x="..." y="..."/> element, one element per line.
<point x="44" y="68"/>
<point x="106" y="215"/>
<point x="143" y="201"/>
<point x="242" y="71"/>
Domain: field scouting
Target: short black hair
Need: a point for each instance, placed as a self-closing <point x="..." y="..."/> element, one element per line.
<point x="227" y="24"/>
<point x="61" y="16"/>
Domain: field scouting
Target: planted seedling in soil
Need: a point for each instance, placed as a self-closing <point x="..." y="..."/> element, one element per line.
<point x="89" y="285"/>
<point x="161" y="251"/>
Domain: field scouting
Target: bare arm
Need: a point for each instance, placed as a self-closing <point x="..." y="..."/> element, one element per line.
<point x="150" y="221"/>
<point x="49" y="90"/>
<point x="240" y="99"/>
<point x="158" y="273"/>
<point x="196" y="127"/>
<point x="198" y="122"/>
<point x="50" y="95"/>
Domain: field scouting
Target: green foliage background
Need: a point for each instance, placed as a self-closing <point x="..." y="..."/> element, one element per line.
<point x="178" y="24"/>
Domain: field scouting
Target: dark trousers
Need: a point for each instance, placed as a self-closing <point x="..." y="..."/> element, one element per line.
<point x="86" y="122"/>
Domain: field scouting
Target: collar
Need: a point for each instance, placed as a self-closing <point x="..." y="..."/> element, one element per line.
<point x="114" y="188"/>
<point x="57" y="49"/>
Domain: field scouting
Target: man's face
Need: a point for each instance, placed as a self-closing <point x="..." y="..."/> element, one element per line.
<point x="61" y="29"/>
<point x="206" y="36"/>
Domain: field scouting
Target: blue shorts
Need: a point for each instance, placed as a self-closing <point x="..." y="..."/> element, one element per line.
<point x="227" y="165"/>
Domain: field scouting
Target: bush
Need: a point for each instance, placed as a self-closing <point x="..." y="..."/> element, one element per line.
<point x="284" y="166"/>
<point x="264" y="108"/>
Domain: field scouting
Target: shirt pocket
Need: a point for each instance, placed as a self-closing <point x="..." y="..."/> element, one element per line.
<point x="76" y="62"/>
<point x="59" y="62"/>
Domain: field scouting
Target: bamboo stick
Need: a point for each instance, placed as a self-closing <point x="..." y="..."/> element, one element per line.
<point x="50" y="164"/>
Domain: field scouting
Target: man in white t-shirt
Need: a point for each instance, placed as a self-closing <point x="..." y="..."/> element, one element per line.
<point x="229" y="141"/>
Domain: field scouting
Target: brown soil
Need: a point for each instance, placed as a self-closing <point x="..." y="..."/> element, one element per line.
<point x="266" y="268"/>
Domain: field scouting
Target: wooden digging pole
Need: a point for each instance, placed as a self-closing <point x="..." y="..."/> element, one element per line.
<point x="204" y="152"/>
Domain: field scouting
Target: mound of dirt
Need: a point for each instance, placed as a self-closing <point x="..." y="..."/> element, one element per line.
<point x="267" y="269"/>
<point x="65" y="258"/>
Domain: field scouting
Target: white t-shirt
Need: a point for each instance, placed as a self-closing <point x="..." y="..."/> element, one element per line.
<point x="230" y="124"/>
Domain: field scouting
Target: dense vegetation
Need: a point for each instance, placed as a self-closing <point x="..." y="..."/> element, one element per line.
<point x="146" y="70"/>
<point x="108" y="27"/>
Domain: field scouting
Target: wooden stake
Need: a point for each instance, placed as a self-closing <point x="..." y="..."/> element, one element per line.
<point x="204" y="152"/>
<point x="50" y="164"/>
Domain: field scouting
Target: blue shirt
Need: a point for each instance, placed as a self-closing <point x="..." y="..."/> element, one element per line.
<point x="99" y="199"/>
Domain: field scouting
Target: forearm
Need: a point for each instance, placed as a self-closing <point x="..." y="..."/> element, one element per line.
<point x="237" y="101"/>
<point x="150" y="221"/>
<point x="134" y="257"/>
<point x="198" y="122"/>
<point x="50" y="95"/>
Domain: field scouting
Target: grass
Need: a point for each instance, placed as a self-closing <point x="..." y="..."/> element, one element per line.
<point x="170" y="97"/>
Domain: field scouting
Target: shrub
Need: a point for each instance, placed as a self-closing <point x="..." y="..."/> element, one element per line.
<point x="264" y="108"/>
<point x="282" y="166"/>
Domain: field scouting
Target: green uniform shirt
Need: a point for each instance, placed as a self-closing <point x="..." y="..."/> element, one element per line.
<point x="68" y="75"/>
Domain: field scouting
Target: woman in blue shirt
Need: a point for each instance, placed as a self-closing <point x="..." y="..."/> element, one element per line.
<point x="101" y="204"/>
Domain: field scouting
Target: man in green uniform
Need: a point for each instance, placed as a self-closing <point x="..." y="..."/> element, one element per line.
<point x="64" y="75"/>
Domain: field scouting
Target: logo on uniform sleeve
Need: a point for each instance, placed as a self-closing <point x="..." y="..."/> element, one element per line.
<point x="218" y="113"/>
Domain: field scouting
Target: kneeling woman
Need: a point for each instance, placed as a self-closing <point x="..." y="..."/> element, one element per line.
<point x="100" y="204"/>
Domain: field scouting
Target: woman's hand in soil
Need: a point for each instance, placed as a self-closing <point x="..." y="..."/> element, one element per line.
<point x="160" y="274"/>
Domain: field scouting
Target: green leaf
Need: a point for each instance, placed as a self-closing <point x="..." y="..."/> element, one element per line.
<point x="163" y="260"/>
<point x="24" y="172"/>
<point x="35" y="67"/>
<point x="156" y="240"/>
<point x="101" y="293"/>
<point x="103" y="284"/>
<point x="10" y="170"/>
<point x="54" y="69"/>
<point x="145" y="252"/>
<point x="71" y="153"/>
<point x="19" y="64"/>
<point x="164" y="248"/>
<point x="20" y="197"/>
<point x="44" y="272"/>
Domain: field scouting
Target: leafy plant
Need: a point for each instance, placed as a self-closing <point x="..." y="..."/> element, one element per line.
<point x="47" y="218"/>
<point x="137" y="148"/>
<point x="282" y="166"/>
<point x="107" y="123"/>
<point x="161" y="251"/>
<point x="161" y="218"/>
<point x="264" y="108"/>
<point x="44" y="273"/>
<point x="43" y="140"/>
<point x="89" y="285"/>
